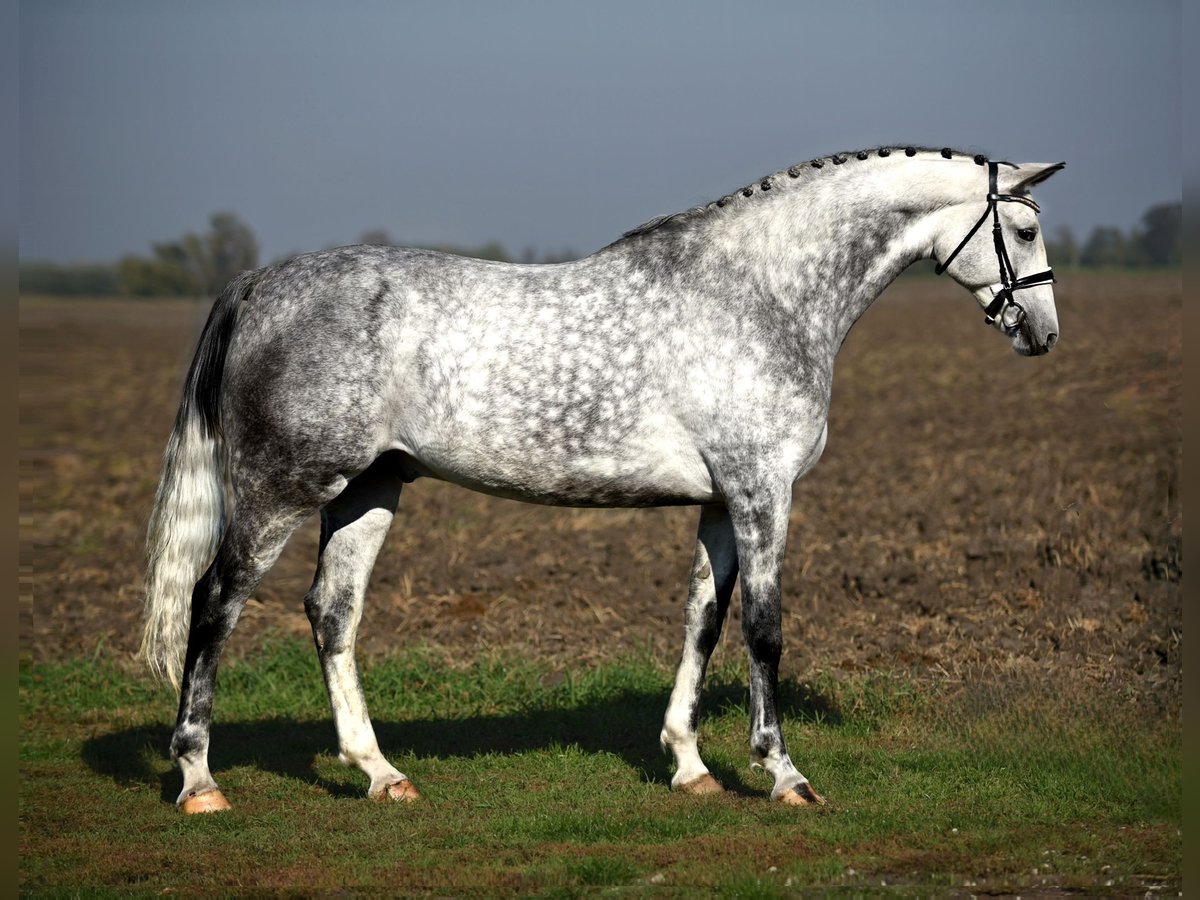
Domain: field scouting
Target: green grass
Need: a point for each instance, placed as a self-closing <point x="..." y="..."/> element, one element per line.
<point x="536" y="783"/>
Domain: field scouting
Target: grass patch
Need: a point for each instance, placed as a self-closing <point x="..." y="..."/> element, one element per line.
<point x="536" y="783"/>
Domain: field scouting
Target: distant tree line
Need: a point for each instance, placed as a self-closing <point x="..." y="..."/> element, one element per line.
<point x="201" y="264"/>
<point x="192" y="265"/>
<point x="1156" y="241"/>
<point x="82" y="279"/>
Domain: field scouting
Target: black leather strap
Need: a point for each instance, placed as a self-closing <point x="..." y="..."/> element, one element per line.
<point x="941" y="267"/>
<point x="1004" y="297"/>
<point x="1008" y="276"/>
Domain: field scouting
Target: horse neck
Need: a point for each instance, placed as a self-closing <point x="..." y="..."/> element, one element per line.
<point x="823" y="249"/>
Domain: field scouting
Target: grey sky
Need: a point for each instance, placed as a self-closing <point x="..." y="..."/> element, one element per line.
<point x="557" y="124"/>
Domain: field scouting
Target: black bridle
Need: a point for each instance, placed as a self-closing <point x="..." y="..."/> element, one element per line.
<point x="1010" y="283"/>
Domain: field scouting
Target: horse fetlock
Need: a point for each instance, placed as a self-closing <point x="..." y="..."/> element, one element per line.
<point x="787" y="779"/>
<point x="770" y="756"/>
<point x="765" y="750"/>
<point x="675" y="736"/>
<point x="682" y="745"/>
<point x="198" y="782"/>
<point x="188" y="743"/>
<point x="197" y="779"/>
<point x="370" y="761"/>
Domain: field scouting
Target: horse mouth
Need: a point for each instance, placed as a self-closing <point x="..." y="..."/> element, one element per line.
<point x="1026" y="344"/>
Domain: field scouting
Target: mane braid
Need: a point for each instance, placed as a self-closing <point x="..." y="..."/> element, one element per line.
<point x="801" y="172"/>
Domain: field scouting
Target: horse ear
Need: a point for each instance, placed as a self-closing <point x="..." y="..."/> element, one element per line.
<point x="1021" y="180"/>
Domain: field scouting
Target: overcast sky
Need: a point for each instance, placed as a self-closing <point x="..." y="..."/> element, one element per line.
<point x="556" y="124"/>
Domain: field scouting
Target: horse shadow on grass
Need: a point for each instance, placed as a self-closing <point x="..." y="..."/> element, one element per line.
<point x="625" y="724"/>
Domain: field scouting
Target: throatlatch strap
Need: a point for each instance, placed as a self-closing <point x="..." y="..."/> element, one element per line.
<point x="941" y="267"/>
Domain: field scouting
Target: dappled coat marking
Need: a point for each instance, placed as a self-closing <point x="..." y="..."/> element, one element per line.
<point x="689" y="362"/>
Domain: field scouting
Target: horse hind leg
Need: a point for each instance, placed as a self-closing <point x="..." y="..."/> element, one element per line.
<point x="353" y="527"/>
<point x="251" y="544"/>
<point x="714" y="571"/>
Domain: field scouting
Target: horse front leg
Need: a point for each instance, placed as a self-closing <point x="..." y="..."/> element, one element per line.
<point x="760" y="521"/>
<point x="714" y="571"/>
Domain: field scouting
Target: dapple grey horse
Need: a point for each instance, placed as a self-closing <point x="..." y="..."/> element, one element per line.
<point x="689" y="362"/>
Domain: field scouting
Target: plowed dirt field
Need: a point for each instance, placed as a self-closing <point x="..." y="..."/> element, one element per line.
<point x="974" y="512"/>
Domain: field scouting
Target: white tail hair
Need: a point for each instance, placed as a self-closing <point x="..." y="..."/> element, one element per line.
<point x="185" y="529"/>
<point x="188" y="518"/>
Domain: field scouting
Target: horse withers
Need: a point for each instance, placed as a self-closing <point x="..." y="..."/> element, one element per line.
<point x="689" y="362"/>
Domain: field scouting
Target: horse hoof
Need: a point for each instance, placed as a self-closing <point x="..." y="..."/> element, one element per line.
<point x="801" y="795"/>
<point x="206" y="802"/>
<point x="705" y="784"/>
<point x="402" y="791"/>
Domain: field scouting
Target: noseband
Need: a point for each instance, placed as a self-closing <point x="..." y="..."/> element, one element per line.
<point x="1003" y="301"/>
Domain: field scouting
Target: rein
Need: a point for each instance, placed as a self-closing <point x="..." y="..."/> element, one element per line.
<point x="1003" y="301"/>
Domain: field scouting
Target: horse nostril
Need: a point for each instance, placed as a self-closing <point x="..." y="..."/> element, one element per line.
<point x="1051" y="340"/>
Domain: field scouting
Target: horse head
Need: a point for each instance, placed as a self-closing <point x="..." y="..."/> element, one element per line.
<point x="1000" y="256"/>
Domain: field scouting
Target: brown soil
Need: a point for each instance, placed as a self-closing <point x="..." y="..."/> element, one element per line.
<point x="973" y="509"/>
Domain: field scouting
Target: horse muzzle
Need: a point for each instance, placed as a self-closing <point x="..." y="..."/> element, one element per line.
<point x="1028" y="339"/>
<point x="1032" y="328"/>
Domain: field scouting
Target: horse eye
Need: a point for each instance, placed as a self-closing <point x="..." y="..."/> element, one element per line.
<point x="1027" y="234"/>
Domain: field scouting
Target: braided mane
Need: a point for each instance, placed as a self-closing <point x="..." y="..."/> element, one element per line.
<point x="797" y="174"/>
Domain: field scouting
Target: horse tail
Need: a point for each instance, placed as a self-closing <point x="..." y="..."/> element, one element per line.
<point x="188" y="518"/>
